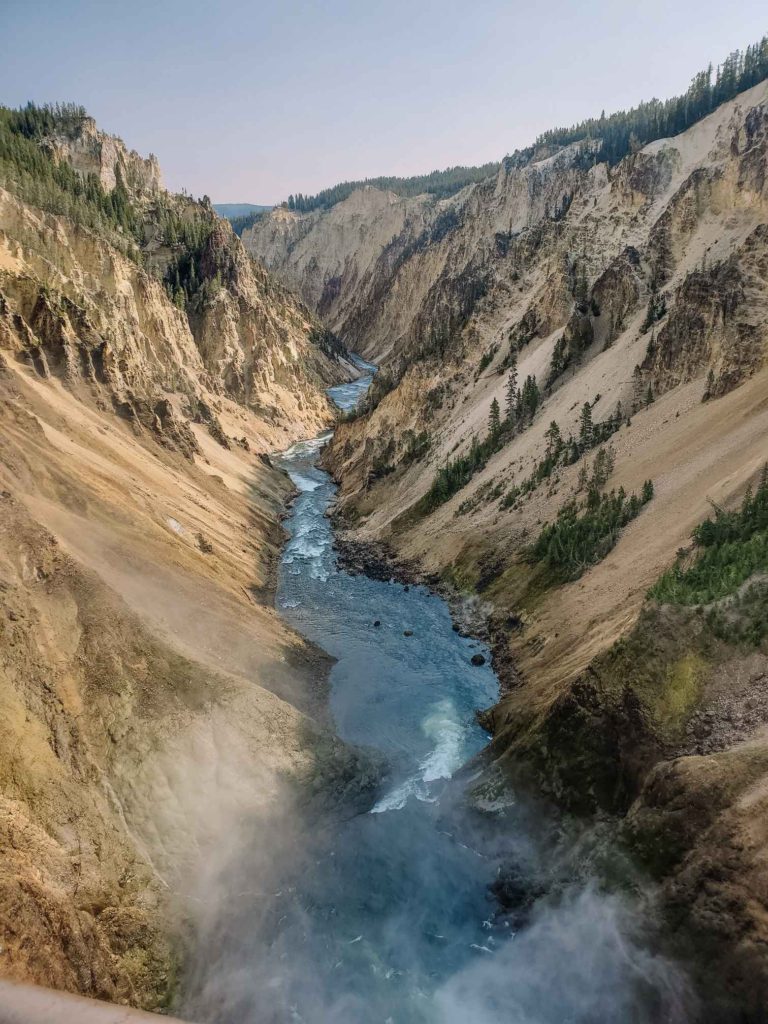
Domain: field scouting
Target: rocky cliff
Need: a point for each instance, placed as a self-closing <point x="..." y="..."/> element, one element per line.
<point x="629" y="305"/>
<point x="92" y="151"/>
<point x="339" y="260"/>
<point x="150" y="694"/>
<point x="511" y="254"/>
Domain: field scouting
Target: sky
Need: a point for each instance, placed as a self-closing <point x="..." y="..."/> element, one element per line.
<point x="249" y="102"/>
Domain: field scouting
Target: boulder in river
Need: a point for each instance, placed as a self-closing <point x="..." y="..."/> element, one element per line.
<point x="377" y="623"/>
<point x="478" y="659"/>
<point x="407" y="632"/>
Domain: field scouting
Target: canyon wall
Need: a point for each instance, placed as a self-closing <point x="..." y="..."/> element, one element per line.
<point x="151" y="696"/>
<point x="639" y="292"/>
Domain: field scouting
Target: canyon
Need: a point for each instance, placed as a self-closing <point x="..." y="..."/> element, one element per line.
<point x="565" y="326"/>
<point x="639" y="290"/>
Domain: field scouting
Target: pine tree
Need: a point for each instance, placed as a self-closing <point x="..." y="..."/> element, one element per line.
<point x="519" y="407"/>
<point x="511" y="403"/>
<point x="554" y="440"/>
<point x="561" y="356"/>
<point x="494" y="419"/>
<point x="530" y="397"/>
<point x="586" y="428"/>
<point x="709" y="390"/>
<point x="602" y="467"/>
<point x="535" y="396"/>
<point x="580" y="287"/>
<point x="746" y="503"/>
<point x="637" y="387"/>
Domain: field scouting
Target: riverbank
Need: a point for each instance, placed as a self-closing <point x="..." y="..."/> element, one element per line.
<point x="675" y="788"/>
<point x="408" y="907"/>
<point x="322" y="885"/>
<point x="472" y="616"/>
<point x="151" y="695"/>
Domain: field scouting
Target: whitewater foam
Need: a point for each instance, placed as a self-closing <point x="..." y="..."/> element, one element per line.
<point x="398" y="798"/>
<point x="304" y="483"/>
<point x="302" y="449"/>
<point x="443" y="728"/>
<point x="307" y="546"/>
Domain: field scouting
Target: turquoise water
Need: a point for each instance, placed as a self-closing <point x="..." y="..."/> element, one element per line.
<point x="385" y="916"/>
<point x="398" y="901"/>
<point x="412" y="698"/>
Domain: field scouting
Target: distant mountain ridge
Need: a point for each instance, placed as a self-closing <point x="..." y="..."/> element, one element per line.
<point x="241" y="215"/>
<point x="233" y="210"/>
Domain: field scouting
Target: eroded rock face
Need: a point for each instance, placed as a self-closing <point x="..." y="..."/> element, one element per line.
<point x="91" y="151"/>
<point x="717" y="322"/>
<point x="150" y="698"/>
<point x="699" y="825"/>
<point x="406" y="277"/>
<point x="82" y="906"/>
<point x="649" y="281"/>
<point x="340" y="262"/>
<point x="81" y="312"/>
<point x="640" y="291"/>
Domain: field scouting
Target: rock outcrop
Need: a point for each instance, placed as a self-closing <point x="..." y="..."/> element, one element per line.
<point x="151" y="697"/>
<point x="91" y="151"/>
<point x="340" y="261"/>
<point x="558" y="247"/>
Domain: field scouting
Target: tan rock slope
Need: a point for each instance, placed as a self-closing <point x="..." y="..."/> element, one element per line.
<point x="150" y="696"/>
<point x="339" y="261"/>
<point x="700" y="200"/>
<point x="642" y="290"/>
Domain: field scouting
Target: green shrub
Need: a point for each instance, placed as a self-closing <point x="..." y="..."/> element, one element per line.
<point x="582" y="535"/>
<point x="731" y="547"/>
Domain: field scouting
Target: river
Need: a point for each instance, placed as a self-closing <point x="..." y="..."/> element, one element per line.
<point x="386" y="916"/>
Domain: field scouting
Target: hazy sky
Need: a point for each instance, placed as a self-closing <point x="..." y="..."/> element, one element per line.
<point x="248" y="102"/>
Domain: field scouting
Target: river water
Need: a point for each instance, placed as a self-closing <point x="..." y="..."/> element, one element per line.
<point x="386" y="916"/>
<point x="399" y="902"/>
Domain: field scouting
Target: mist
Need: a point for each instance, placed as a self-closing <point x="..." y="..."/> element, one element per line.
<point x="410" y="883"/>
<point x="283" y="930"/>
<point x="581" y="960"/>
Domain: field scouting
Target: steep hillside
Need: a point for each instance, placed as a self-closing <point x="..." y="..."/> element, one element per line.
<point x="340" y="260"/>
<point x="568" y="303"/>
<point x="553" y="339"/>
<point x="393" y="274"/>
<point x="150" y="693"/>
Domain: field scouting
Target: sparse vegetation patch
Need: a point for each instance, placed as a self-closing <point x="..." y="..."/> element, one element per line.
<point x="582" y="535"/>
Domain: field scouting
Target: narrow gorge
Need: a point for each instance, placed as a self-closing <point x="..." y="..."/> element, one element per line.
<point x="416" y="889"/>
<point x="384" y="626"/>
<point x="575" y="346"/>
